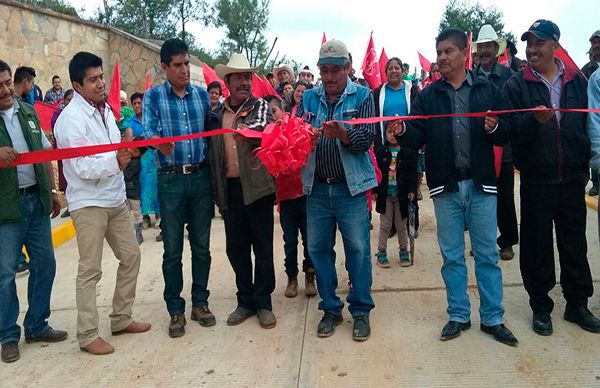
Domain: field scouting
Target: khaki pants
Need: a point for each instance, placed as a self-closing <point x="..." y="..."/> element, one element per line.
<point x="392" y="214"/>
<point x="92" y="225"/>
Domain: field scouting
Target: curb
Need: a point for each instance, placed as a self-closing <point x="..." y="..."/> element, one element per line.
<point x="63" y="233"/>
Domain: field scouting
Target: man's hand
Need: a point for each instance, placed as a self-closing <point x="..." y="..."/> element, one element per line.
<point x="397" y="127"/>
<point x="491" y="121"/>
<point x="334" y="130"/>
<point x="123" y="157"/>
<point x="543" y="117"/>
<point x="315" y="136"/>
<point x="8" y="155"/>
<point x="55" y="205"/>
<point x="165" y="148"/>
<point x="374" y="196"/>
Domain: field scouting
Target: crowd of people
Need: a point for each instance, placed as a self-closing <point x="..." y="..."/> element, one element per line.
<point x="469" y="162"/>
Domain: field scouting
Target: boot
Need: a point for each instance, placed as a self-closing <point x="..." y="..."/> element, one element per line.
<point x="310" y="288"/>
<point x="138" y="233"/>
<point x="292" y="287"/>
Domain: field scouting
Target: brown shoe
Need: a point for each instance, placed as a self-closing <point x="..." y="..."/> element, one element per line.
<point x="292" y="287"/>
<point x="507" y="253"/>
<point x="310" y="288"/>
<point x="177" y="326"/>
<point x="204" y="316"/>
<point x="266" y="318"/>
<point x="134" y="327"/>
<point x="50" y="335"/>
<point x="98" y="347"/>
<point x="10" y="351"/>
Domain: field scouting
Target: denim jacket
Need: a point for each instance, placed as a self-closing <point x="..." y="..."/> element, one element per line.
<point x="358" y="167"/>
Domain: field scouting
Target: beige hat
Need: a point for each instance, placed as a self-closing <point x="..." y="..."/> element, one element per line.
<point x="284" y="67"/>
<point x="238" y="63"/>
<point x="123" y="95"/>
<point x="487" y="34"/>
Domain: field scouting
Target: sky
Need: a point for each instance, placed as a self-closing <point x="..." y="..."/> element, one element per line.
<point x="402" y="27"/>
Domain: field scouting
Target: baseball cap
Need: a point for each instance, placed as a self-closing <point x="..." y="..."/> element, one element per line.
<point x="595" y="35"/>
<point x="543" y="29"/>
<point x="333" y="52"/>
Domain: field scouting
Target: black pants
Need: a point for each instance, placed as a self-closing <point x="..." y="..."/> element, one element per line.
<point x="292" y="215"/>
<point x="507" y="215"/>
<point x="250" y="227"/>
<point x="541" y="206"/>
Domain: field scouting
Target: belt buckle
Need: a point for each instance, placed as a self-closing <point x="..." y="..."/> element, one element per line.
<point x="330" y="181"/>
<point x="186" y="169"/>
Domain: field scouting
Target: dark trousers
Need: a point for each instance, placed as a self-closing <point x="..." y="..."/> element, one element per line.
<point x="507" y="215"/>
<point x="292" y="215"/>
<point x="541" y="206"/>
<point x="185" y="199"/>
<point x="594" y="177"/>
<point x="250" y="227"/>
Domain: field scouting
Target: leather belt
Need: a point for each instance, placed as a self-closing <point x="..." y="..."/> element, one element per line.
<point x="332" y="181"/>
<point x="463" y="174"/>
<point x="183" y="169"/>
<point x="29" y="190"/>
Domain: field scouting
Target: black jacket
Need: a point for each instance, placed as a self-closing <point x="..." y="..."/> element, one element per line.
<point x="438" y="137"/>
<point x="406" y="177"/>
<point x="589" y="68"/>
<point x="552" y="152"/>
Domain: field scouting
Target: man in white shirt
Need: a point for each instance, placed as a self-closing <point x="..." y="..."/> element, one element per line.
<point x="96" y="199"/>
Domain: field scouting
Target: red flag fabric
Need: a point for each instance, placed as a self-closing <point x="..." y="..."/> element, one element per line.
<point x="564" y="56"/>
<point x="370" y="67"/>
<point x="324" y="39"/>
<point x="383" y="58"/>
<point x="269" y="88"/>
<point x="258" y="89"/>
<point x="148" y="81"/>
<point x="44" y="112"/>
<point x="503" y="58"/>
<point x="210" y="76"/>
<point x="425" y="63"/>
<point x="469" y="61"/>
<point x="114" y="95"/>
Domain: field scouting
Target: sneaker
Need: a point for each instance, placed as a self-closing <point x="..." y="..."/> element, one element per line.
<point x="177" y="326"/>
<point x="362" y="328"/>
<point x="328" y="324"/>
<point x="405" y="258"/>
<point x="382" y="260"/>
<point x="594" y="191"/>
<point x="203" y="315"/>
<point x="292" y="287"/>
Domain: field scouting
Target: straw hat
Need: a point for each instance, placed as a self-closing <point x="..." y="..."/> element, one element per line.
<point x="238" y="63"/>
<point x="284" y="67"/>
<point x="487" y="34"/>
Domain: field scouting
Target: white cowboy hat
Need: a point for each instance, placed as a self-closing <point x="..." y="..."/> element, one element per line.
<point x="306" y="69"/>
<point x="285" y="67"/>
<point x="487" y="34"/>
<point x="238" y="63"/>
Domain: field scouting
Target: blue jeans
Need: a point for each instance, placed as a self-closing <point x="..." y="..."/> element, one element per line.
<point x="185" y="199"/>
<point x="478" y="210"/>
<point x="328" y="206"/>
<point x="34" y="232"/>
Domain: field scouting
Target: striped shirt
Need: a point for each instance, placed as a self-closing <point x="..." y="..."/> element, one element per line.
<point x="166" y="114"/>
<point x="328" y="160"/>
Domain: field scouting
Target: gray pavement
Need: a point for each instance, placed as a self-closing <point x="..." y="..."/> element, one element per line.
<point x="404" y="349"/>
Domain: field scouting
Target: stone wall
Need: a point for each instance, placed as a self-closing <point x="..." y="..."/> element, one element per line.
<point x="46" y="41"/>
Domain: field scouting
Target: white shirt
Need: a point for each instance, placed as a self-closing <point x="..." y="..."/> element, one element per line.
<point x="25" y="172"/>
<point x="94" y="180"/>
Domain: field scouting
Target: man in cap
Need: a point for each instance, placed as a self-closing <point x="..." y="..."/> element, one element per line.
<point x="307" y="75"/>
<point x="490" y="47"/>
<point x="245" y="194"/>
<point x="336" y="177"/>
<point x="551" y="150"/>
<point x="588" y="70"/>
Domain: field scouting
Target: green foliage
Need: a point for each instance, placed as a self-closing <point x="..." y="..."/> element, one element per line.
<point x="470" y="17"/>
<point x="60" y="6"/>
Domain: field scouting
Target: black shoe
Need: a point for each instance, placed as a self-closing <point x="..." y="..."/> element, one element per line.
<point x="362" y="329"/>
<point x="584" y="318"/>
<point x="452" y="329"/>
<point x="50" y="335"/>
<point x="177" y="326"/>
<point x="239" y="315"/>
<point x="500" y="333"/>
<point x="328" y="323"/>
<point x="10" y="351"/>
<point x="542" y="324"/>
<point x="594" y="191"/>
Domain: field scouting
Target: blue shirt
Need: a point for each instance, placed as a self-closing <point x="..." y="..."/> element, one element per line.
<point x="135" y="124"/>
<point x="395" y="101"/>
<point x="166" y="114"/>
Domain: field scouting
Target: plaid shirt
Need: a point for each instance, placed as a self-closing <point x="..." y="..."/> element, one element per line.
<point x="52" y="96"/>
<point x="165" y="114"/>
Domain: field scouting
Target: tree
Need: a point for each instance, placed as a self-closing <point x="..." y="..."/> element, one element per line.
<point x="188" y="10"/>
<point x="144" y="18"/>
<point x="55" y="5"/>
<point x="246" y="21"/>
<point x="463" y="15"/>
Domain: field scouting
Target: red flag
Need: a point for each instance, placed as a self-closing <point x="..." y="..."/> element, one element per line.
<point x="469" y="61"/>
<point x="564" y="56"/>
<point x="114" y="95"/>
<point x="148" y="81"/>
<point x="269" y="88"/>
<point x="44" y="112"/>
<point x="425" y="63"/>
<point x="258" y="89"/>
<point x="370" y="67"/>
<point x="383" y="58"/>
<point x="324" y="39"/>
<point x="503" y="58"/>
<point x="210" y="76"/>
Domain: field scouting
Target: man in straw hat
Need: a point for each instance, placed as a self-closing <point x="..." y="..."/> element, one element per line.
<point x="245" y="194"/>
<point x="490" y="47"/>
<point x="283" y="73"/>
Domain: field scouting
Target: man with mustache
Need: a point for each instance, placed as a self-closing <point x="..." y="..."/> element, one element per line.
<point x="176" y="108"/>
<point x="244" y="193"/>
<point x="462" y="182"/>
<point x="588" y="70"/>
<point x="551" y="150"/>
<point x="490" y="47"/>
